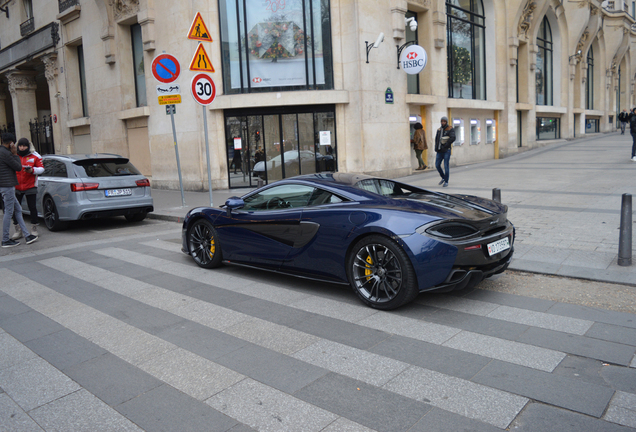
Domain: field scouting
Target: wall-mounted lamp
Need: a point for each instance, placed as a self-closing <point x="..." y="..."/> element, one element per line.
<point x="5" y="10"/>
<point x="376" y="44"/>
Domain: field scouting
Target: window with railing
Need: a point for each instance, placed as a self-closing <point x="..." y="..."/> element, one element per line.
<point x="66" y="4"/>
<point x="29" y="24"/>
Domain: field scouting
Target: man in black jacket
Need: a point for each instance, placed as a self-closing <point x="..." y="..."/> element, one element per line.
<point x="9" y="165"/>
<point x="623" y="117"/>
<point x="444" y="139"/>
<point x="632" y="131"/>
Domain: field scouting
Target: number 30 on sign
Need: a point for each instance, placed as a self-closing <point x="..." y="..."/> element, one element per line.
<point x="203" y="89"/>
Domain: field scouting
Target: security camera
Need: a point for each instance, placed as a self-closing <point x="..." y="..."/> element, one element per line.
<point x="411" y="23"/>
<point x="379" y="40"/>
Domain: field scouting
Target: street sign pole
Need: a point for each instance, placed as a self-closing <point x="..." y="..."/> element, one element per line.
<point x="176" y="150"/>
<point x="207" y="153"/>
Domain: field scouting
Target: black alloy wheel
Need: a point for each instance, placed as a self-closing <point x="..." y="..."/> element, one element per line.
<point x="381" y="273"/>
<point x="51" y="216"/>
<point x="204" y="244"/>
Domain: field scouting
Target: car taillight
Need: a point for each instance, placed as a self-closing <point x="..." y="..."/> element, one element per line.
<point x="143" y="183"/>
<point x="77" y="187"/>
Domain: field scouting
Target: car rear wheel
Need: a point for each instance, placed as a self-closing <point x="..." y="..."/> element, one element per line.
<point x="204" y="244"/>
<point x="381" y="273"/>
<point x="137" y="217"/>
<point x="51" y="216"/>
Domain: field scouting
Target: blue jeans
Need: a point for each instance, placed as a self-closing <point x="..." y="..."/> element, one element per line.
<point x="438" y="164"/>
<point x="11" y="207"/>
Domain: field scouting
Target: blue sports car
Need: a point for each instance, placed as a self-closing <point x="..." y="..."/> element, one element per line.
<point x="388" y="240"/>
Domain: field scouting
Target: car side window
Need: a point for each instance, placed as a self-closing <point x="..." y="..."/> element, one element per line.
<point x="321" y="197"/>
<point x="53" y="168"/>
<point x="279" y="197"/>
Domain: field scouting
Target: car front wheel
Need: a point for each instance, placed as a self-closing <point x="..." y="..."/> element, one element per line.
<point x="381" y="273"/>
<point x="204" y="244"/>
<point x="51" y="216"/>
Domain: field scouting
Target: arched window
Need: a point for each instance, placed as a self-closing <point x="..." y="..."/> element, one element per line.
<point x="466" y="49"/>
<point x="589" y="83"/>
<point x="544" y="64"/>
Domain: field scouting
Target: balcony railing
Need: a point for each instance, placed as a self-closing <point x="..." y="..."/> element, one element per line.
<point x="67" y="4"/>
<point x="27" y="27"/>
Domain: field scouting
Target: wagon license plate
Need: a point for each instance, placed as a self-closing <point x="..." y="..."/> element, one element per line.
<point x="498" y="246"/>
<point x="118" y="192"/>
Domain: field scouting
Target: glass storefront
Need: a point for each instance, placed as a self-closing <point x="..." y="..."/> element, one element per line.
<point x="273" y="144"/>
<point x="548" y="128"/>
<point x="591" y="125"/>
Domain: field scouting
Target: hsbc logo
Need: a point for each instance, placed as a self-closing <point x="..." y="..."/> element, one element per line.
<point x="413" y="59"/>
<point x="257" y="80"/>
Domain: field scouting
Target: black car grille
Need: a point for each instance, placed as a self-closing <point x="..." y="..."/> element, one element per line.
<point x="453" y="231"/>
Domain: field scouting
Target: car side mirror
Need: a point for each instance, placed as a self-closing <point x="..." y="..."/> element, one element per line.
<point x="232" y="204"/>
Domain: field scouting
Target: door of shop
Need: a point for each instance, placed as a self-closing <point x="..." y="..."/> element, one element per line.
<point x="275" y="146"/>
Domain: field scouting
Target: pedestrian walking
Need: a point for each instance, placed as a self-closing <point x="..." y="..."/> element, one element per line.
<point x="623" y="117"/>
<point x="444" y="139"/>
<point x="27" y="184"/>
<point x="9" y="166"/>
<point x="419" y="145"/>
<point x="632" y="131"/>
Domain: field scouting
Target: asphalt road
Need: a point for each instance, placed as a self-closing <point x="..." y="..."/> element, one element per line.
<point x="108" y="326"/>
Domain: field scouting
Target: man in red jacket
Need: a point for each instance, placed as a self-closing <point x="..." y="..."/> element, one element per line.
<point x="27" y="184"/>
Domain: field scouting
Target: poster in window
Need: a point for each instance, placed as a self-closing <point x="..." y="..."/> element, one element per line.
<point x="276" y="42"/>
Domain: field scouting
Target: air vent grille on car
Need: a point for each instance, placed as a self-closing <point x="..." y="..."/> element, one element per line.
<point x="452" y="230"/>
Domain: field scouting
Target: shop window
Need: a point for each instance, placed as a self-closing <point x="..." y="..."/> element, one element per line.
<point x="543" y="73"/>
<point x="466" y="49"/>
<point x="591" y="125"/>
<point x="491" y="131"/>
<point x="82" y="76"/>
<point x="138" y="64"/>
<point x="275" y="45"/>
<point x="548" y="128"/>
<point x="475" y="132"/>
<point x="412" y="81"/>
<point x="458" y="125"/>
<point x="589" y="83"/>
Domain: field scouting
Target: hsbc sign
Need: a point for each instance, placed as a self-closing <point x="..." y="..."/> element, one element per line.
<point x="413" y="59"/>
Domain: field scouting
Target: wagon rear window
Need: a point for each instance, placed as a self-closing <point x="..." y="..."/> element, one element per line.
<point x="105" y="168"/>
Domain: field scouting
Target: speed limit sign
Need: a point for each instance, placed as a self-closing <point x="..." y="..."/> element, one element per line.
<point x="203" y="89"/>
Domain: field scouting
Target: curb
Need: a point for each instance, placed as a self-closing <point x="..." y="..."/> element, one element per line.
<point x="164" y="217"/>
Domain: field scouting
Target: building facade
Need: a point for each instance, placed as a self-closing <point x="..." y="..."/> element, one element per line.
<point x="302" y="86"/>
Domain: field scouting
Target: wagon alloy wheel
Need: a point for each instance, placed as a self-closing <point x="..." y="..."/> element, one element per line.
<point x="381" y="273"/>
<point x="204" y="244"/>
<point x="51" y="216"/>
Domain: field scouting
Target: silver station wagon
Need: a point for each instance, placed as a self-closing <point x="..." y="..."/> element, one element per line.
<point x="75" y="187"/>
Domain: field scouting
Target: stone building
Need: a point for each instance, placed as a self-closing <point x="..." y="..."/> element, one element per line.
<point x="301" y="87"/>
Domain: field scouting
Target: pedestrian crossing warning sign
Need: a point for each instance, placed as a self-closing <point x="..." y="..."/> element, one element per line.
<point x="198" y="30"/>
<point x="201" y="61"/>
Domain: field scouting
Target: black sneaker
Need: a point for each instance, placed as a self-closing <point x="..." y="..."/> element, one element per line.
<point x="30" y="238"/>
<point x="10" y="243"/>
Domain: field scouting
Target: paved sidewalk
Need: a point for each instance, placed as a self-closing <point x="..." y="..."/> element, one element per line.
<point x="564" y="199"/>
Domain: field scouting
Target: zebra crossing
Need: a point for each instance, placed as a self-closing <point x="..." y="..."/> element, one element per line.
<point x="131" y="335"/>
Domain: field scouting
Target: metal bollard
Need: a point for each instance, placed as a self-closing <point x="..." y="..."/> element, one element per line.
<point x="496" y="194"/>
<point x="625" y="238"/>
<point x="260" y="182"/>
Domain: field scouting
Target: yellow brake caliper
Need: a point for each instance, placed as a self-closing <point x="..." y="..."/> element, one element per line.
<point x="367" y="270"/>
<point x="212" y="247"/>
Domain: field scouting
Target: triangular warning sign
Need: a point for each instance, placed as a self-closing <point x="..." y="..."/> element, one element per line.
<point x="201" y="61"/>
<point x="198" y="30"/>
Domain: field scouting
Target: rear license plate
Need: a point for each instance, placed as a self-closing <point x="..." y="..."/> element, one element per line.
<point x="118" y="192"/>
<point x="498" y="246"/>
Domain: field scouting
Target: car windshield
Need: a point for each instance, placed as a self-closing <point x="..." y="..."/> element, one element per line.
<point x="105" y="168"/>
<point x="387" y="188"/>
